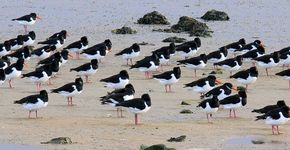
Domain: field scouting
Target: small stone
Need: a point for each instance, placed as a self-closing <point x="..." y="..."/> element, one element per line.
<point x="59" y="140"/>
<point x="153" y="18"/>
<point x="177" y="139"/>
<point x="174" y="39"/>
<point x="155" y="147"/>
<point x="258" y="142"/>
<point x="186" y="111"/>
<point x="214" y="15"/>
<point x="124" y="30"/>
<point x="184" y="103"/>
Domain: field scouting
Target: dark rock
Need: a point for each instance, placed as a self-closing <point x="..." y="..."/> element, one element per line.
<point x="177" y="139"/>
<point x="156" y="147"/>
<point x="174" y="39"/>
<point x="184" y="103"/>
<point x="153" y="18"/>
<point x="124" y="30"/>
<point x="258" y="142"/>
<point x="192" y="26"/>
<point x="214" y="15"/>
<point x="186" y="111"/>
<point x="59" y="140"/>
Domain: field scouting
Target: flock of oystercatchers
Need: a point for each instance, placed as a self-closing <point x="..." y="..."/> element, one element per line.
<point x="52" y="56"/>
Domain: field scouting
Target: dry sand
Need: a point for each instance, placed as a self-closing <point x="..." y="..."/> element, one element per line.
<point x="94" y="126"/>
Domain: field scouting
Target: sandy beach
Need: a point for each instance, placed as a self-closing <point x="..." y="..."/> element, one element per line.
<point x="94" y="126"/>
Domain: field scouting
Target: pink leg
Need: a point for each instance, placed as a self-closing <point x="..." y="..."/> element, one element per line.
<point x="246" y="87"/>
<point x="78" y="55"/>
<point x="230" y="113"/>
<point x="267" y="72"/>
<point x="273" y="127"/>
<point x="10" y="85"/>
<point x="234" y="113"/>
<point x="68" y="101"/>
<point x="25" y="29"/>
<point x="121" y="110"/>
<point x="166" y="88"/>
<point x="87" y="79"/>
<point x="36" y="113"/>
<point x="127" y="62"/>
<point x="170" y="88"/>
<point x="207" y="118"/>
<point x="71" y="103"/>
<point x="277" y="127"/>
<point x="131" y="61"/>
<point x="194" y="72"/>
<point x="136" y="119"/>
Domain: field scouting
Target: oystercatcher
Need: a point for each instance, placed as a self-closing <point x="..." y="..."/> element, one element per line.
<point x="285" y="74"/>
<point x="5" y="48"/>
<point x="29" y="38"/>
<point x="161" y="50"/>
<point x="209" y="106"/>
<point x="23" y="53"/>
<point x="4" y="62"/>
<point x="130" y="53"/>
<point x="168" y="78"/>
<point x="42" y="52"/>
<point x="231" y="64"/>
<point x="235" y="101"/>
<point x="194" y="63"/>
<point x="251" y="55"/>
<point x="57" y="42"/>
<point x="16" y="43"/>
<point x="251" y="46"/>
<point x="78" y="46"/>
<point x="268" y="108"/>
<point x="87" y="69"/>
<point x="62" y="33"/>
<point x="235" y="45"/>
<point x="147" y="65"/>
<point x="27" y="20"/>
<point x="117" y="81"/>
<point x="285" y="59"/>
<point x="187" y="50"/>
<point x="98" y="51"/>
<point x="246" y="77"/>
<point x="137" y="105"/>
<point x="55" y="56"/>
<point x="14" y="71"/>
<point x="54" y="65"/>
<point x="70" y="90"/>
<point x="217" y="56"/>
<point x="221" y="92"/>
<point x="268" y="61"/>
<point x="122" y="90"/>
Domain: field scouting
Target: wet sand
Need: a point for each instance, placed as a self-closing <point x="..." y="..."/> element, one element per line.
<point x="94" y="126"/>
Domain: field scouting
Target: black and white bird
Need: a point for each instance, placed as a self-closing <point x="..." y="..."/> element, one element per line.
<point x="64" y="56"/>
<point x="129" y="53"/>
<point x="268" y="108"/>
<point x="284" y="50"/>
<point x="54" y="66"/>
<point x="87" y="69"/>
<point x="268" y="61"/>
<point x="34" y="102"/>
<point x="234" y="102"/>
<point x="251" y="55"/>
<point x="4" y="62"/>
<point x="57" y="42"/>
<point x="217" y="56"/>
<point x="248" y="47"/>
<point x="194" y="63"/>
<point x="221" y="92"/>
<point x="78" y="46"/>
<point x="209" y="106"/>
<point x="62" y="33"/>
<point x="276" y="117"/>
<point x="29" y="39"/>
<point x="122" y="95"/>
<point x="161" y="50"/>
<point x="39" y="76"/>
<point x="16" y="43"/>
<point x="23" y="53"/>
<point x="70" y="90"/>
<point x="42" y="52"/>
<point x="285" y="74"/>
<point x="98" y="51"/>
<point x="27" y="20"/>
<point x="163" y="59"/>
<point x="246" y="77"/>
<point x="202" y="85"/>
<point x="5" y="48"/>
<point x="285" y="59"/>
<point x="14" y="71"/>
<point x="196" y="40"/>
<point x="2" y="76"/>
<point x="231" y="64"/>
<point x="137" y="105"/>
<point x="56" y="56"/>
<point x="168" y="78"/>
<point x="117" y="81"/>
<point x="147" y="65"/>
<point x="235" y="45"/>
<point x="186" y="50"/>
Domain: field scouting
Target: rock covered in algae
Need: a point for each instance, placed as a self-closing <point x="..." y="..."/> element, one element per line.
<point x="59" y="140"/>
<point x="124" y="30"/>
<point x="215" y="15"/>
<point x="153" y="18"/>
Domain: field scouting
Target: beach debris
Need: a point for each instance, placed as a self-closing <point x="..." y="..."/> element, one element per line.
<point x="217" y="71"/>
<point x="59" y="140"/>
<point x="215" y="15"/>
<point x="241" y="88"/>
<point x="177" y="139"/>
<point x="174" y="39"/>
<point x="258" y="142"/>
<point x="153" y="18"/>
<point x="124" y="30"/>
<point x="155" y="147"/>
<point x="184" y="103"/>
<point x="186" y="111"/>
<point x="146" y="43"/>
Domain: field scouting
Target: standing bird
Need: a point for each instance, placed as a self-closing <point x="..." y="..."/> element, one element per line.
<point x="4" y="62"/>
<point x="231" y="64"/>
<point x="42" y="52"/>
<point x="54" y="65"/>
<point x="147" y="65"/>
<point x="117" y="81"/>
<point x="268" y="61"/>
<point x="87" y="69"/>
<point x="70" y="90"/>
<point x="163" y="58"/>
<point x="285" y="59"/>
<point x="2" y="76"/>
<point x="29" y="38"/>
<point x="57" y="42"/>
<point x="168" y="78"/>
<point x="137" y="105"/>
<point x="130" y="53"/>
<point x="235" y="101"/>
<point x="34" y="102"/>
<point x="235" y="45"/>
<point x="98" y="51"/>
<point x="203" y="85"/>
<point x="249" y="47"/>
<point x="194" y="63"/>
<point x="246" y="77"/>
<point x="217" y="56"/>
<point x="209" y="106"/>
<point x="14" y="71"/>
<point x="268" y="108"/>
<point x="285" y="74"/>
<point x="39" y="76"/>
<point x="27" y="20"/>
<point x="251" y="55"/>
<point x="221" y="92"/>
<point x="62" y="33"/>
<point x="16" y="43"/>
<point x="23" y="53"/>
<point x="161" y="50"/>
<point x="55" y="56"/>
<point x="186" y="50"/>
<point x="5" y="48"/>
<point x="276" y="117"/>
<point x="78" y="46"/>
<point x="64" y="56"/>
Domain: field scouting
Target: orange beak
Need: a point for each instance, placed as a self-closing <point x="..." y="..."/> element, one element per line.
<point x="234" y="88"/>
<point x="38" y="17"/>
<point x="110" y="50"/>
<point x="218" y="81"/>
<point x="67" y="34"/>
<point x="289" y="112"/>
<point x="70" y="55"/>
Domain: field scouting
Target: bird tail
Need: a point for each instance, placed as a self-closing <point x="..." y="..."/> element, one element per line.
<point x="13" y="19"/>
<point x="72" y="69"/>
<point x="260" y="117"/>
<point x="17" y="102"/>
<point x="256" y="111"/>
<point x="53" y="91"/>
